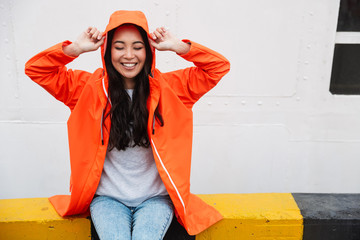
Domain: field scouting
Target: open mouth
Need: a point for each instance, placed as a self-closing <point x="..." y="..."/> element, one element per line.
<point x="129" y="65"/>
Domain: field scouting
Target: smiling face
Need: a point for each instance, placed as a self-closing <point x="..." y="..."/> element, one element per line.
<point x="128" y="53"/>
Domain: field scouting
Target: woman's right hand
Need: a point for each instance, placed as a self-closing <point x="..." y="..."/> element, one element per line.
<point x="89" y="40"/>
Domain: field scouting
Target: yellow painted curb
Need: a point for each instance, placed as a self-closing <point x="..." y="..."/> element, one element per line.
<point x="246" y="216"/>
<point x="254" y="216"/>
<point x="35" y="218"/>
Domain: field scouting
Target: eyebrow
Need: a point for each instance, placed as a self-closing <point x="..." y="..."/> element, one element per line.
<point x="132" y="43"/>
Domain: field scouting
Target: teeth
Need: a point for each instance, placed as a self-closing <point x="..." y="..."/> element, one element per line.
<point x="129" y="64"/>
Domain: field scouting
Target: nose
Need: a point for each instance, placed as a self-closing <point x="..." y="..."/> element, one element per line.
<point x="129" y="54"/>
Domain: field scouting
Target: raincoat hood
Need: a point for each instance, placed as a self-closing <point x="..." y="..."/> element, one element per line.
<point x="117" y="19"/>
<point x="121" y="17"/>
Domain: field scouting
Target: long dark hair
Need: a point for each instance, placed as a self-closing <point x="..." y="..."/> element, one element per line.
<point x="128" y="117"/>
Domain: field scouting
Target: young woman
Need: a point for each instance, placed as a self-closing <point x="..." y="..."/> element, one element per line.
<point x="130" y="128"/>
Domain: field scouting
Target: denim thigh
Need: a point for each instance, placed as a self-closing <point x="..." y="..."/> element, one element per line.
<point x="112" y="219"/>
<point x="152" y="218"/>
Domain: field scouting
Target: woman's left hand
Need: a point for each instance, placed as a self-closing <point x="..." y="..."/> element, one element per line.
<point x="163" y="40"/>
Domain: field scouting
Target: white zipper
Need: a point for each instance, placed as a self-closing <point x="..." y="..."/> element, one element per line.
<point x="172" y="182"/>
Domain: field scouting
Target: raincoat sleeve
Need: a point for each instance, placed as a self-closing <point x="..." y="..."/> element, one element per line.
<point x="48" y="70"/>
<point x="190" y="84"/>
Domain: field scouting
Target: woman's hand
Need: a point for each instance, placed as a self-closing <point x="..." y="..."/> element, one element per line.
<point x="163" y="40"/>
<point x="89" y="40"/>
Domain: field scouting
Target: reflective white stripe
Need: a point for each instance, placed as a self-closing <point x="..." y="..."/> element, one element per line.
<point x="103" y="83"/>
<point x="162" y="164"/>
<point x="106" y="94"/>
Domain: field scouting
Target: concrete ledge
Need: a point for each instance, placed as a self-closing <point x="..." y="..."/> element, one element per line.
<point x="254" y="216"/>
<point x="246" y="216"/>
<point x="35" y="218"/>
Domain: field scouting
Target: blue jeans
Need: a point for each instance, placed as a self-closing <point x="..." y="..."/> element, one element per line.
<point x="113" y="220"/>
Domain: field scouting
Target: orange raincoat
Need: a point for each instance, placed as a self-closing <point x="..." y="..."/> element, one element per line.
<point x="174" y="92"/>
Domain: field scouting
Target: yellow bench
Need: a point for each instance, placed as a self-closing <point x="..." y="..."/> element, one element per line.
<point x="35" y="218"/>
<point x="246" y="216"/>
<point x="255" y="216"/>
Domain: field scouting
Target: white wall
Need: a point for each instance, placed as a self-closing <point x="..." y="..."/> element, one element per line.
<point x="271" y="125"/>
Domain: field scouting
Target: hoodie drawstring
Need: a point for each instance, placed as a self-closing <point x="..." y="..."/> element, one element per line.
<point x="153" y="125"/>
<point x="101" y="127"/>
